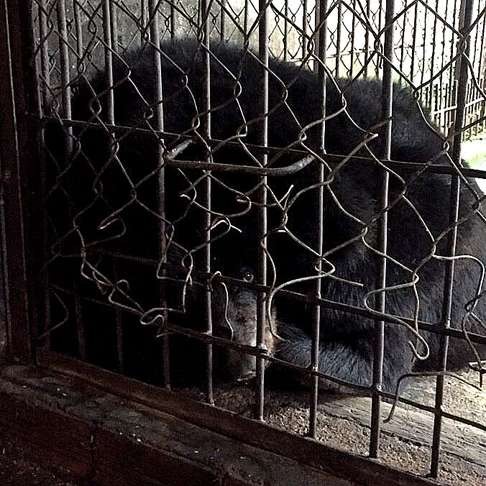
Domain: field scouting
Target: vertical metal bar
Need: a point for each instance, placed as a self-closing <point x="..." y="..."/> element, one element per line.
<point x="222" y="25"/>
<point x="18" y="178"/>
<point x="246" y="19"/>
<point x="378" y="58"/>
<point x="110" y="107"/>
<point x="42" y="105"/>
<point x="403" y="46"/>
<point x="44" y="53"/>
<point x="379" y="348"/>
<point x="286" y="30"/>
<point x="65" y="77"/>
<point x="451" y="94"/>
<point x="423" y="69"/>
<point x="468" y="108"/>
<point x="79" y="34"/>
<point x="304" y="29"/>
<point x="120" y="351"/>
<point x="353" y="38"/>
<point x="367" y="41"/>
<point x="338" y="38"/>
<point x="262" y="211"/>
<point x="159" y="125"/>
<point x="435" y="101"/>
<point x="108" y="50"/>
<point x="206" y="195"/>
<point x="143" y="20"/>
<point x="316" y="318"/>
<point x="447" y="74"/>
<point x="452" y="240"/>
<point x="172" y="20"/>
<point x="441" y="45"/>
<point x="414" y="42"/>
<point x="114" y="27"/>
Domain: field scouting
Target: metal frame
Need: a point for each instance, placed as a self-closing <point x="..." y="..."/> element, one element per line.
<point x="22" y="228"/>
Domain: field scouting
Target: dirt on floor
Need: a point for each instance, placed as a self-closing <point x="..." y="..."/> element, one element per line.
<point x="344" y="423"/>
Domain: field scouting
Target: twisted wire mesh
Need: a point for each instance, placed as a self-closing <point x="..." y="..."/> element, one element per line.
<point x="95" y="229"/>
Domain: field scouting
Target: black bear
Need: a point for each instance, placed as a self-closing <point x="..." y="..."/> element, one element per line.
<point x="113" y="178"/>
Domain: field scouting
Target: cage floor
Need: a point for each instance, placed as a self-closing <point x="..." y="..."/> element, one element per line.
<point x="344" y="423"/>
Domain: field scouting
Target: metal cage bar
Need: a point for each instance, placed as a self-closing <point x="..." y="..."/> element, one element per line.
<point x="387" y="115"/>
<point x="263" y="54"/>
<point x="321" y="12"/>
<point x="153" y="11"/>
<point x="207" y="189"/>
<point x="467" y="9"/>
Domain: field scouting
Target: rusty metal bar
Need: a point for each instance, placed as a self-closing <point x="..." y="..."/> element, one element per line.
<point x="205" y="8"/>
<point x="263" y="54"/>
<point x="316" y="317"/>
<point x="108" y="50"/>
<point x="161" y="203"/>
<point x="379" y="348"/>
<point x="467" y="8"/>
<point x="114" y="26"/>
<point x="222" y="19"/>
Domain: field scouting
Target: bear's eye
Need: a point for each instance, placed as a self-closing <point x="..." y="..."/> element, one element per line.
<point x="248" y="276"/>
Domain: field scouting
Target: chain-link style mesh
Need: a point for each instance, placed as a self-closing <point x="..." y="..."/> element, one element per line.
<point x="281" y="181"/>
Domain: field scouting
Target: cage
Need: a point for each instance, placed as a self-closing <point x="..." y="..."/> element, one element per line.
<point x="257" y="209"/>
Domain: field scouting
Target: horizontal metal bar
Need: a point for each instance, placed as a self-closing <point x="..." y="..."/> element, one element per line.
<point x="242" y="169"/>
<point x="330" y="158"/>
<point x="298" y="297"/>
